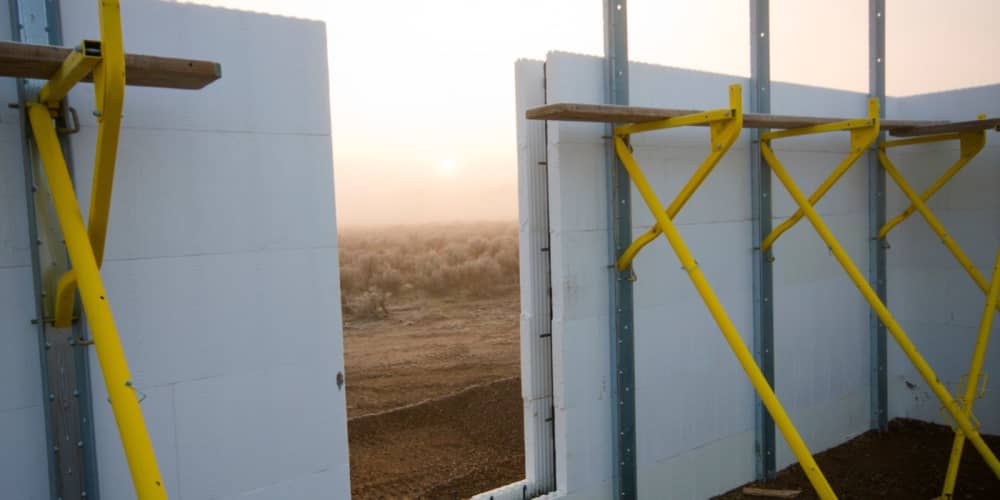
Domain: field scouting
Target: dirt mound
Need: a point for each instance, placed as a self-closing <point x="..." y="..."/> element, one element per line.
<point x="907" y="461"/>
<point x="450" y="447"/>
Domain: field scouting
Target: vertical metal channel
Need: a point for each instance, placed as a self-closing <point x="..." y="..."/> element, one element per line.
<point x="63" y="358"/>
<point x="876" y="217"/>
<point x="763" y="290"/>
<point x="619" y="237"/>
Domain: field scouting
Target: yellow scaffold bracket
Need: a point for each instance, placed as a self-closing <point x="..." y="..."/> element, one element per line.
<point x="863" y="134"/>
<point x="957" y="411"/>
<point x="105" y="61"/>
<point x="724" y="125"/>
<point x="971" y="143"/>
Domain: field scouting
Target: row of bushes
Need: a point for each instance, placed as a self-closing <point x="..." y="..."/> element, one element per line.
<point x="377" y="264"/>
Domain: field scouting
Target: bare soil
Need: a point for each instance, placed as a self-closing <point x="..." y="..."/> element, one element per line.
<point x="907" y="461"/>
<point x="434" y="398"/>
<point x="434" y="411"/>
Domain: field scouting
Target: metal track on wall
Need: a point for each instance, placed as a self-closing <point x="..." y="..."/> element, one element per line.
<point x="620" y="282"/>
<point x="763" y="289"/>
<point x="876" y="219"/>
<point x="63" y="351"/>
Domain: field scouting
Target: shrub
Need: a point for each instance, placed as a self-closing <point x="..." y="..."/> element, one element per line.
<point x="377" y="264"/>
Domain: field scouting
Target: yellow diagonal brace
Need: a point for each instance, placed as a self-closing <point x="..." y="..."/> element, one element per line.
<point x="975" y="368"/>
<point x="77" y="65"/>
<point x="883" y="313"/>
<point x="109" y="94"/>
<point x="723" y="135"/>
<point x="128" y="415"/>
<point x="933" y="222"/>
<point x="862" y="136"/>
<point x="732" y="336"/>
<point x="971" y="144"/>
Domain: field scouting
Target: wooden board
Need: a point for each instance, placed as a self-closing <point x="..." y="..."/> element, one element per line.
<point x="609" y="113"/>
<point x="946" y="128"/>
<point x="22" y="60"/>
<point x="769" y="493"/>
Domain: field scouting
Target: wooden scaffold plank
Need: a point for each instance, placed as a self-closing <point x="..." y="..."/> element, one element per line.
<point x="22" y="60"/>
<point x="609" y="113"/>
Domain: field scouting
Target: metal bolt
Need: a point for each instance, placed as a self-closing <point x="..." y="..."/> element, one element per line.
<point x="52" y="396"/>
<point x="79" y="444"/>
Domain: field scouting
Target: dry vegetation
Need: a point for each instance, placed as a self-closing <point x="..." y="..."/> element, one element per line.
<point x="380" y="266"/>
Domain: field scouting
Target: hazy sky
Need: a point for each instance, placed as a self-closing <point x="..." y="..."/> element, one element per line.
<point x="422" y="92"/>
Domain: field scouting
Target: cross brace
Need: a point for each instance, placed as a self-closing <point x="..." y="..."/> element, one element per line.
<point x="971" y="143"/>
<point x="725" y="125"/>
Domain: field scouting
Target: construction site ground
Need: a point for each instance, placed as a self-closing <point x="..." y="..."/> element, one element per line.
<point x="434" y="406"/>
<point x="907" y="461"/>
<point x="434" y="398"/>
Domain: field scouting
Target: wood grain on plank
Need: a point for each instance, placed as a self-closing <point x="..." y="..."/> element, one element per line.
<point x="21" y="60"/>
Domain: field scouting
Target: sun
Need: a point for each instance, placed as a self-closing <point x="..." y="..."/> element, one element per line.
<point x="447" y="168"/>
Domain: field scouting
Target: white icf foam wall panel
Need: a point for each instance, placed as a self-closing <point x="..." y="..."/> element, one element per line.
<point x="694" y="405"/>
<point x="23" y="458"/>
<point x="933" y="297"/>
<point x="221" y="261"/>
<point x="536" y="312"/>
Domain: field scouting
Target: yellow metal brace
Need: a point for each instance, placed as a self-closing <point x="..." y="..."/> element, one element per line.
<point x="963" y="421"/>
<point x="85" y="245"/>
<point x="725" y="127"/>
<point x="863" y="133"/>
<point x="971" y="144"/>
<point x="975" y="368"/>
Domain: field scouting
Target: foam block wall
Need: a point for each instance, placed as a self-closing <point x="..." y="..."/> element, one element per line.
<point x="221" y="264"/>
<point x="694" y="405"/>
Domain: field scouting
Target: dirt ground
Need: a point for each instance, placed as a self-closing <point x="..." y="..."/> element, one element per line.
<point x="907" y="461"/>
<point x="435" y="412"/>
<point x="433" y="398"/>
